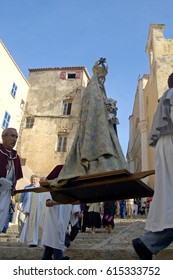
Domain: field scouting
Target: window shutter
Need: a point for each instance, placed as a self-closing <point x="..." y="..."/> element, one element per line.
<point x="63" y="75"/>
<point x="78" y="74"/>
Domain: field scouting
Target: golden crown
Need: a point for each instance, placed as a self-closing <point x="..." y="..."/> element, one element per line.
<point x="100" y="68"/>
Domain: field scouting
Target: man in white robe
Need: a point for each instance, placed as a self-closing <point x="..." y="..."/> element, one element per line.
<point x="159" y="224"/>
<point x="23" y="200"/>
<point x="56" y="221"/>
<point x="55" y="226"/>
<point x="35" y="211"/>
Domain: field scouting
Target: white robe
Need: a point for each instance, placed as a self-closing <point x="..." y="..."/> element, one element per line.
<point x="5" y="197"/>
<point x="32" y="229"/>
<point x="55" y="225"/>
<point x="160" y="214"/>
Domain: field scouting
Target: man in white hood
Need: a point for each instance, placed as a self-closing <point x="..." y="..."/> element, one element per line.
<point x="159" y="224"/>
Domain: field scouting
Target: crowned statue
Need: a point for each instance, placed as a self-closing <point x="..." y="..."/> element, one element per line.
<point x="96" y="146"/>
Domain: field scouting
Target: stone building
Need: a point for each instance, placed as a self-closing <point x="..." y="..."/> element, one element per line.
<point x="150" y="88"/>
<point x="51" y="116"/>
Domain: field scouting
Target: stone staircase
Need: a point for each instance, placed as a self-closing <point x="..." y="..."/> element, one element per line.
<point x="86" y="246"/>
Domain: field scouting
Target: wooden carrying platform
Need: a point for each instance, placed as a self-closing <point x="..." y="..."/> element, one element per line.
<point x="112" y="185"/>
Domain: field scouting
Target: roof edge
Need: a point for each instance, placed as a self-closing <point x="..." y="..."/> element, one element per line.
<point x="61" y="69"/>
<point x="14" y="62"/>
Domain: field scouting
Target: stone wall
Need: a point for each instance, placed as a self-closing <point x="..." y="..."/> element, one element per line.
<point x="49" y="90"/>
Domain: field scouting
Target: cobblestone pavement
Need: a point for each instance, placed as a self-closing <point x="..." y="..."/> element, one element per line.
<point x="87" y="246"/>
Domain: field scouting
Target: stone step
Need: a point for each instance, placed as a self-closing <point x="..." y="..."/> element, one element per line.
<point x="25" y="253"/>
<point x="86" y="246"/>
<point x="12" y="234"/>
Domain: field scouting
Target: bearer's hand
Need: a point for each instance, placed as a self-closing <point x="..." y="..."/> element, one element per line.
<point x="49" y="203"/>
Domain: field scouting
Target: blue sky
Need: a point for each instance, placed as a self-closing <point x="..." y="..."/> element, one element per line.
<point x="57" y="33"/>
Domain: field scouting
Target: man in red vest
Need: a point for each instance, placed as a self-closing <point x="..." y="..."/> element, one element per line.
<point x="10" y="172"/>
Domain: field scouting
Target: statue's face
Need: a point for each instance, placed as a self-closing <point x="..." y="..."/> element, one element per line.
<point x="101" y="80"/>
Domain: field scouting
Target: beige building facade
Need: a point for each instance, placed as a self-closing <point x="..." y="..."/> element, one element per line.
<point x="150" y="88"/>
<point x="13" y="91"/>
<point x="51" y="116"/>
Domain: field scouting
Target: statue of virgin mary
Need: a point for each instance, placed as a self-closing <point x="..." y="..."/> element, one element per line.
<point x="96" y="147"/>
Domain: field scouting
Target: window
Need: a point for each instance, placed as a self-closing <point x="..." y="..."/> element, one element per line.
<point x="29" y="122"/>
<point x="62" y="144"/>
<point x="6" y="120"/>
<point x="14" y="90"/>
<point x="67" y="108"/>
<point x="22" y="104"/>
<point x="137" y="164"/>
<point x="71" y="75"/>
<point x="137" y="122"/>
<point x="65" y="75"/>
